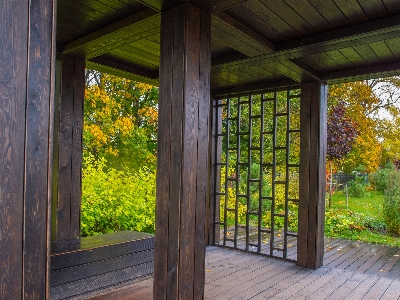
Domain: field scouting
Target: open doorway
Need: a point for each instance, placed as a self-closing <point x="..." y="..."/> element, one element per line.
<point x="119" y="155"/>
<point x="363" y="160"/>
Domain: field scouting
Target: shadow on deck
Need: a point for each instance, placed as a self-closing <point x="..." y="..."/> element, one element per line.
<point x="352" y="270"/>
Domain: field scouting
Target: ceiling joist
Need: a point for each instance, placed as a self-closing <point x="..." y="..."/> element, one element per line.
<point x="240" y="28"/>
<point x="209" y="6"/>
<point x="125" y="31"/>
<point x="373" y="31"/>
<point x="243" y="90"/>
<point x="376" y="71"/>
<point x="305" y="68"/>
<point x="104" y="64"/>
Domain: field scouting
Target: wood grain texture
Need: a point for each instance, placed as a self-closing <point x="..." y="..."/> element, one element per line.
<point x="38" y="116"/>
<point x="13" y="70"/>
<point x="177" y="124"/>
<point x="237" y="275"/>
<point x="312" y="175"/>
<point x="203" y="156"/>
<point x="26" y="109"/>
<point x="243" y="34"/>
<point x="215" y="155"/>
<point x="77" y="140"/>
<point x="182" y="190"/>
<point x="163" y="161"/>
<point x="304" y="185"/>
<point x="68" y="150"/>
<point x="190" y="149"/>
<point x="113" y="36"/>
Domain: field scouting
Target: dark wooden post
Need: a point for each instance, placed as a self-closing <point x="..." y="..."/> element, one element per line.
<point x="213" y="217"/>
<point x="27" y="44"/>
<point x="183" y="174"/>
<point x="313" y="127"/>
<point x="67" y="168"/>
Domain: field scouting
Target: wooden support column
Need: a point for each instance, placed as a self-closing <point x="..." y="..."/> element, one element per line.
<point x="27" y="44"/>
<point x="183" y="159"/>
<point x="67" y="168"/>
<point x="313" y="136"/>
<point x="213" y="217"/>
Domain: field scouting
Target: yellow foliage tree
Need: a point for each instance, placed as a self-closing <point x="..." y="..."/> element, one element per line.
<point x="120" y="120"/>
<point x="365" y="101"/>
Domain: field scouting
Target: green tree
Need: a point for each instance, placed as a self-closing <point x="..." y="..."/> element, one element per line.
<point x="365" y="102"/>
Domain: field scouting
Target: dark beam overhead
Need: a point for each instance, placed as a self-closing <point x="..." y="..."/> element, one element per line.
<point x="216" y="5"/>
<point x="211" y="6"/>
<point x="243" y="29"/>
<point x="227" y="58"/>
<point x="349" y="36"/>
<point x="240" y="40"/>
<point x="125" y="31"/>
<point x="293" y="71"/>
<point x="104" y="64"/>
<point x="306" y="68"/>
<point x="338" y="39"/>
<point x="244" y="90"/>
<point x="377" y="71"/>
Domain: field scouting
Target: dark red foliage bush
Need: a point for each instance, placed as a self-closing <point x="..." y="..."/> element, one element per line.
<point x="342" y="132"/>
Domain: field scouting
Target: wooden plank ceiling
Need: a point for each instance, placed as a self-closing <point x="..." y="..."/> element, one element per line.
<point x="256" y="44"/>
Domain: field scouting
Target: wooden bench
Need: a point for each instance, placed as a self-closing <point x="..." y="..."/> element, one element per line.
<point x="92" y="265"/>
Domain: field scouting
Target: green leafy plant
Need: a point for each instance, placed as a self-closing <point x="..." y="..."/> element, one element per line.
<point x="357" y="187"/>
<point x="379" y="180"/>
<point x="115" y="200"/>
<point x="391" y="203"/>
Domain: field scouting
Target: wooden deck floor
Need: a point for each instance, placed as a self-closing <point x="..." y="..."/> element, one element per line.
<point x="352" y="270"/>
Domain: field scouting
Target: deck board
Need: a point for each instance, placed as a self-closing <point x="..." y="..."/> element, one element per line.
<point x="352" y="270"/>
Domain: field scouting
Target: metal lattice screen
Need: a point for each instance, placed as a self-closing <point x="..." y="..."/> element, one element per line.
<point x="257" y="172"/>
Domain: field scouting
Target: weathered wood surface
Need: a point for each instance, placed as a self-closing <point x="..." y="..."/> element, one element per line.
<point x="313" y="131"/>
<point x="253" y="42"/>
<point x="236" y="275"/>
<point x="101" y="263"/>
<point x="265" y="248"/>
<point x="67" y="180"/>
<point x="183" y="162"/>
<point x="27" y="49"/>
<point x="215" y="156"/>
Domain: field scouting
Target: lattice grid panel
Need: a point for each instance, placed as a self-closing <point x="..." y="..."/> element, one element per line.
<point x="257" y="172"/>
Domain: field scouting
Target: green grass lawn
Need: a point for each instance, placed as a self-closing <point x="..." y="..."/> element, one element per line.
<point x="361" y="220"/>
<point x="371" y="204"/>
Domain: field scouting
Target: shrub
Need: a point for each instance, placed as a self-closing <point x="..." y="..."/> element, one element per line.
<point x="357" y="187"/>
<point x="374" y="224"/>
<point x="341" y="222"/>
<point x="114" y="200"/>
<point x="391" y="203"/>
<point x="379" y="180"/>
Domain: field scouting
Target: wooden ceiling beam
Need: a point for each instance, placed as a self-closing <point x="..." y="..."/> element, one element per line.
<point x="125" y="31"/>
<point x="214" y="6"/>
<point x="305" y="68"/>
<point x="347" y="37"/>
<point x="252" y="88"/>
<point x="160" y="5"/>
<point x="104" y="64"/>
<point x="227" y="58"/>
<point x="294" y="71"/>
<point x="239" y="28"/>
<point x="210" y="6"/>
<point x="376" y="71"/>
<point x="287" y="71"/>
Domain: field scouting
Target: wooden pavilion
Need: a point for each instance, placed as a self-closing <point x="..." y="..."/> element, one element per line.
<point x="196" y="51"/>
